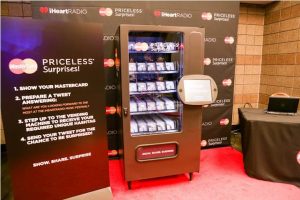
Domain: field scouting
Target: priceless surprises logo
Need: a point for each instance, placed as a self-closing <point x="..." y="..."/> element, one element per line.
<point x="120" y="12"/>
<point x="221" y="61"/>
<point x="220" y="17"/>
<point x="67" y="65"/>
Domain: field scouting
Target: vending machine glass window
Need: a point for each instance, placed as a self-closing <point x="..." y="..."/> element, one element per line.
<point x="155" y="67"/>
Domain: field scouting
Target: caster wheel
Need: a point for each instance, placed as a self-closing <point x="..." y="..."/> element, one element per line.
<point x="191" y="176"/>
<point x="129" y="185"/>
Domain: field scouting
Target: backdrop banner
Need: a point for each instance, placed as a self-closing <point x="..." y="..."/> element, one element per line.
<point x="220" y="20"/>
<point x="52" y="84"/>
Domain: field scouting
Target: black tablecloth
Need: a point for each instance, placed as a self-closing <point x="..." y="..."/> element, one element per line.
<point x="270" y="145"/>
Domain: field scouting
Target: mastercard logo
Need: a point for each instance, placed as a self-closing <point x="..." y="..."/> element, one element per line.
<point x="229" y="40"/>
<point x="224" y="122"/>
<point x="105" y="12"/>
<point x="203" y="143"/>
<point x="108" y="62"/>
<point x="110" y="110"/>
<point x="19" y="66"/>
<point x="207" y="61"/>
<point x="298" y="157"/>
<point x="206" y="16"/>
<point x="112" y="152"/>
<point x="156" y="13"/>
<point x="141" y="46"/>
<point x="227" y="82"/>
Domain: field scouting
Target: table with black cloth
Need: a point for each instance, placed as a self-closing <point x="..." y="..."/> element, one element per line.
<point x="271" y="144"/>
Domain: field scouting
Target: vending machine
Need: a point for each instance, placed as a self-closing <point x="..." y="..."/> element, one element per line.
<point x="161" y="92"/>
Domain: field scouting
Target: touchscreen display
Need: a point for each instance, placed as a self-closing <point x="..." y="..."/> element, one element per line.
<point x="197" y="90"/>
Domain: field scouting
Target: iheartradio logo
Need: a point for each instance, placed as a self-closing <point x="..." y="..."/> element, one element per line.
<point x="44" y="10"/>
<point x="108" y="62"/>
<point x="206" y="16"/>
<point x="157" y="13"/>
<point x="19" y="66"/>
<point x="63" y="11"/>
<point x="105" y="12"/>
<point x="229" y="40"/>
<point x="224" y="122"/>
<point x="227" y="82"/>
<point x="172" y="14"/>
<point x="203" y="143"/>
<point x="207" y="61"/>
<point x="298" y="157"/>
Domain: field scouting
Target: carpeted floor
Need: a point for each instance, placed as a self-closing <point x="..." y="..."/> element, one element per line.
<point x="221" y="177"/>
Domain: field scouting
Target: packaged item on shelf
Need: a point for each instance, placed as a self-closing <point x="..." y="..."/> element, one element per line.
<point x="160" y="105"/>
<point x="160" y="85"/>
<point x="141" y="105"/>
<point x="131" y="46"/>
<point x="170" y="66"/>
<point x="148" y="57"/>
<point x="133" y="106"/>
<point x="133" y="126"/>
<point x="170" y="123"/>
<point x="144" y="46"/>
<point x="160" y="59"/>
<point x="141" y="87"/>
<point x="160" y="124"/>
<point x="151" y="106"/>
<point x="132" y="67"/>
<point x="160" y="46"/>
<point x="160" y="66"/>
<point x="151" y="66"/>
<point x="151" y="86"/>
<point x="153" y="47"/>
<point x="141" y="67"/>
<point x="138" y="46"/>
<point x="151" y="125"/>
<point x="170" y="104"/>
<point x="170" y="85"/>
<point x="170" y="46"/>
<point x="132" y="87"/>
<point x="142" y="126"/>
